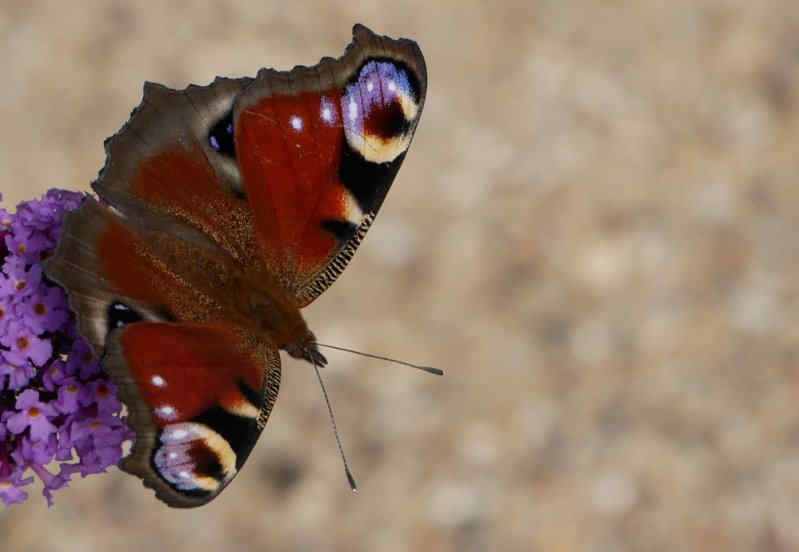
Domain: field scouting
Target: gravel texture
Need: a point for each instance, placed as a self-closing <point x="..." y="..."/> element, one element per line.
<point x="594" y="234"/>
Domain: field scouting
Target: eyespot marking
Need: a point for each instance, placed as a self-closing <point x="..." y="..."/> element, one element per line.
<point x="220" y="137"/>
<point x="193" y="457"/>
<point x="382" y="111"/>
<point x="120" y="315"/>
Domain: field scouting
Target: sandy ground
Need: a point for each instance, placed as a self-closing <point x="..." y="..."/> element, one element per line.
<point x="594" y="233"/>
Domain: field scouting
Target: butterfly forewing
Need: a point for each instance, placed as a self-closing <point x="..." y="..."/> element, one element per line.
<point x="318" y="148"/>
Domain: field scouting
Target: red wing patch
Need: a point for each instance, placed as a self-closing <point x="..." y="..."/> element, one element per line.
<point x="183" y="370"/>
<point x="199" y="396"/>
<point x="291" y="159"/>
<point x="123" y="261"/>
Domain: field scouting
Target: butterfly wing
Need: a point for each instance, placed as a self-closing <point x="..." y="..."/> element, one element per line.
<point x="174" y="161"/>
<point x="206" y="189"/>
<point x="291" y="167"/>
<point x="198" y="396"/>
<point x="199" y="390"/>
<point x="318" y="148"/>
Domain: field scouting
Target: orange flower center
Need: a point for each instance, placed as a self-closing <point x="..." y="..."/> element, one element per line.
<point x="21" y="285"/>
<point x="23" y="343"/>
<point x="34" y="412"/>
<point x="21" y="248"/>
<point x="72" y="389"/>
<point x="40" y="309"/>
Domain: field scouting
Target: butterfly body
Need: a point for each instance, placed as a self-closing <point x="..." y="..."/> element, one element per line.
<point x="223" y="210"/>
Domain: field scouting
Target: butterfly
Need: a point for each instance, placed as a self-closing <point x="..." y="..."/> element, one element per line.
<point x="223" y="210"/>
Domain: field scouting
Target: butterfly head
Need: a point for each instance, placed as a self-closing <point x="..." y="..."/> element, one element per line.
<point x="306" y="349"/>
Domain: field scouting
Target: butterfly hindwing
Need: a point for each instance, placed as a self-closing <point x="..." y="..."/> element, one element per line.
<point x="198" y="397"/>
<point x="318" y="148"/>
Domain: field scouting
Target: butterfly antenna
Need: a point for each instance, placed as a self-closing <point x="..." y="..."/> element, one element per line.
<point x="428" y="369"/>
<point x="350" y="477"/>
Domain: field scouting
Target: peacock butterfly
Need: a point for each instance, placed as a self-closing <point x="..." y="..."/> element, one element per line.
<point x="223" y="210"/>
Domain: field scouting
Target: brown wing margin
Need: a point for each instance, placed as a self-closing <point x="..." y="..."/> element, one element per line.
<point x="171" y="160"/>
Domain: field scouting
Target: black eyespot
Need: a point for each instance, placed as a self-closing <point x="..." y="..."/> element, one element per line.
<point x="220" y="137"/>
<point x="120" y="315"/>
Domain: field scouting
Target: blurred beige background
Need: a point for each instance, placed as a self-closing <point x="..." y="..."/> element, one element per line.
<point x="595" y="233"/>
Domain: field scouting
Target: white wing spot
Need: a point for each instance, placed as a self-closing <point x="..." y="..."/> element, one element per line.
<point x="158" y="381"/>
<point x="326" y="111"/>
<point x="296" y="123"/>
<point x="370" y="86"/>
<point x="166" y="412"/>
<point x="179" y="434"/>
<point x="173" y="455"/>
<point x="392" y="86"/>
<point x="184" y="474"/>
<point x="353" y="110"/>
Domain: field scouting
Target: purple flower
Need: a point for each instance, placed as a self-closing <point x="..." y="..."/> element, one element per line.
<point x="19" y="279"/>
<point x="70" y="393"/>
<point x="104" y="394"/>
<point x="25" y="344"/>
<point x="10" y="490"/>
<point x="45" y="311"/>
<point x="54" y="376"/>
<point x="82" y="361"/>
<point x="51" y="482"/>
<point x="32" y="414"/>
<point x="35" y="452"/>
<point x="18" y="374"/>
<point x="56" y="405"/>
<point x="6" y="311"/>
<point x="98" y="441"/>
<point x="6" y="219"/>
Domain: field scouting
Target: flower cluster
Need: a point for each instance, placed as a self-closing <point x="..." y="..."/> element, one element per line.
<point x="58" y="410"/>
